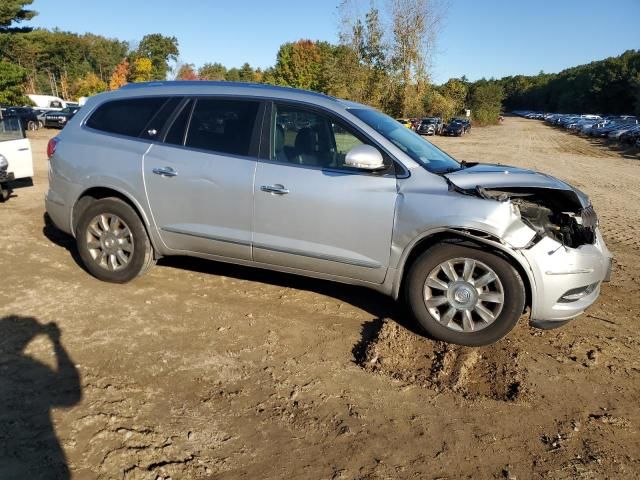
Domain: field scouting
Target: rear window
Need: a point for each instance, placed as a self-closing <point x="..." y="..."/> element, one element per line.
<point x="126" y="117"/>
<point x="223" y="126"/>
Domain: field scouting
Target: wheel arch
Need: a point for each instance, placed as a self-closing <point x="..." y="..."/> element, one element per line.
<point x="98" y="193"/>
<point x="474" y="238"/>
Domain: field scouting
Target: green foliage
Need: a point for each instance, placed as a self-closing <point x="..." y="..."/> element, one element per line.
<point x="438" y="104"/>
<point x="12" y="78"/>
<point x="605" y="86"/>
<point x="303" y="64"/>
<point x="212" y="71"/>
<point x="160" y="50"/>
<point x="486" y="101"/>
<point x="54" y="59"/>
<point x="457" y="91"/>
<point x="13" y="11"/>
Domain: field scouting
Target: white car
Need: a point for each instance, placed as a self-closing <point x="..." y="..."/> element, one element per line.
<point x="15" y="152"/>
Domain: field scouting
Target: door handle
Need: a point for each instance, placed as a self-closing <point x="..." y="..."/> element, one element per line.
<point x="165" y="171"/>
<point x="277" y="189"/>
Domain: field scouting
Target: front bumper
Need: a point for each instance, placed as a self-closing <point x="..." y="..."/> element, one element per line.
<point x="557" y="270"/>
<point x="49" y="123"/>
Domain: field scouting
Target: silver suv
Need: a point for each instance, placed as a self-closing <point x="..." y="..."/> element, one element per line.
<point x="304" y="183"/>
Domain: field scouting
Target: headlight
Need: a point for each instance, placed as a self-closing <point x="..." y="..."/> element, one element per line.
<point x="4" y="164"/>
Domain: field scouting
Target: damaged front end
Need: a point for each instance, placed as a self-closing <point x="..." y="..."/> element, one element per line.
<point x="550" y="207"/>
<point x="554" y="229"/>
<point x="557" y="214"/>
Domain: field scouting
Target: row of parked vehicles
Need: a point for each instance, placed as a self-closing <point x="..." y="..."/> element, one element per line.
<point x="436" y="126"/>
<point x="34" y="118"/>
<point x="623" y="129"/>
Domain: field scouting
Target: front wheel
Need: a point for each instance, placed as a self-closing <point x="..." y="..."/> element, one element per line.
<point x="464" y="295"/>
<point x="113" y="242"/>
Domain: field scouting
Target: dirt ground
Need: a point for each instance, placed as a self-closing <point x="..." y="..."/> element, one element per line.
<point x="204" y="370"/>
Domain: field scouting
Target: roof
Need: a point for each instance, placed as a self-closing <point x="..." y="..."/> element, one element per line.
<point x="204" y="85"/>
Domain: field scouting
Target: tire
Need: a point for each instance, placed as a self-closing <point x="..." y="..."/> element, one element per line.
<point x="31" y="125"/>
<point x="485" y="328"/>
<point x="112" y="241"/>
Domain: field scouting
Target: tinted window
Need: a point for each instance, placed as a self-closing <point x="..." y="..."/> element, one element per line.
<point x="222" y="126"/>
<point x="304" y="137"/>
<point x="175" y="135"/>
<point x="156" y="124"/>
<point x="125" y="117"/>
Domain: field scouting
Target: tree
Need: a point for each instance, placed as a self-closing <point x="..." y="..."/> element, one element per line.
<point x="246" y="73"/>
<point x="12" y="78"/>
<point x="13" y="11"/>
<point x="439" y="105"/>
<point x="457" y="91"/>
<point x="301" y="64"/>
<point x="142" y="70"/>
<point x="187" y="72"/>
<point x="415" y="24"/>
<point x="160" y="50"/>
<point x="232" y="75"/>
<point x="486" y="101"/>
<point x="90" y="85"/>
<point x="120" y="75"/>
<point x="212" y="71"/>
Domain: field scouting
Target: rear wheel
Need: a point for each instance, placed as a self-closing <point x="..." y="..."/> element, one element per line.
<point x="464" y="295"/>
<point x="113" y="242"/>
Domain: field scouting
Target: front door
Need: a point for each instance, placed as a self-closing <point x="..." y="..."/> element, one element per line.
<point x="200" y="180"/>
<point x="16" y="148"/>
<point x="314" y="213"/>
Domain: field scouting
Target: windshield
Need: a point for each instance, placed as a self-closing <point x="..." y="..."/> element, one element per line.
<point x="421" y="151"/>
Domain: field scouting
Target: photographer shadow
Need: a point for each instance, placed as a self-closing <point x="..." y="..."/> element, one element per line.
<point x="29" y="389"/>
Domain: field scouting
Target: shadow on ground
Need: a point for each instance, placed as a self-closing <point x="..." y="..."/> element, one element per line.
<point x="29" y="447"/>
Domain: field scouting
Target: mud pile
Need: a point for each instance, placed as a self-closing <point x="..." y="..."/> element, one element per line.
<point x="489" y="372"/>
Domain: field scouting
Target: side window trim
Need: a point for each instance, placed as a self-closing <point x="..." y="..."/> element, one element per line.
<point x="187" y="102"/>
<point x="333" y="117"/>
<point x="155" y="116"/>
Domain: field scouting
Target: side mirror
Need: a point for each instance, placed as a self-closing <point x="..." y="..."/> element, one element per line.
<point x="364" y="157"/>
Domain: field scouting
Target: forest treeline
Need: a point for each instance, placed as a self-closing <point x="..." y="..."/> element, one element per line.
<point x="380" y="60"/>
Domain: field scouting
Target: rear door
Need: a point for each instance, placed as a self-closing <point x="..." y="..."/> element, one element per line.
<point x="199" y="181"/>
<point x="16" y="148"/>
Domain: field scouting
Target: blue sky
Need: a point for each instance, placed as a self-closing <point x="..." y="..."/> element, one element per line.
<point x="481" y="38"/>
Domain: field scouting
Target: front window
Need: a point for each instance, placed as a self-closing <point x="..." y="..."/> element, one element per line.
<point x="421" y="151"/>
<point x="306" y="137"/>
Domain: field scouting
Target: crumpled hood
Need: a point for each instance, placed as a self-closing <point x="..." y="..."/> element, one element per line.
<point x="501" y="176"/>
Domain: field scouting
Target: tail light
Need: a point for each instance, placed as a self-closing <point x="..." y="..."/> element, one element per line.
<point x="51" y="146"/>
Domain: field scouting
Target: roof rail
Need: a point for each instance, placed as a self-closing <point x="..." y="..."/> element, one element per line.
<point x="210" y="83"/>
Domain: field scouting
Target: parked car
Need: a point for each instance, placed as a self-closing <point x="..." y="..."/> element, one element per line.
<point x="15" y="150"/>
<point x="405" y="121"/>
<point x="454" y="128"/>
<point x="59" y="119"/>
<point x="27" y="116"/>
<point x="630" y="136"/>
<point x="208" y="169"/>
<point x="430" y="126"/>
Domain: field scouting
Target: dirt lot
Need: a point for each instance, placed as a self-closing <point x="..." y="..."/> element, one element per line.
<point x="203" y="370"/>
